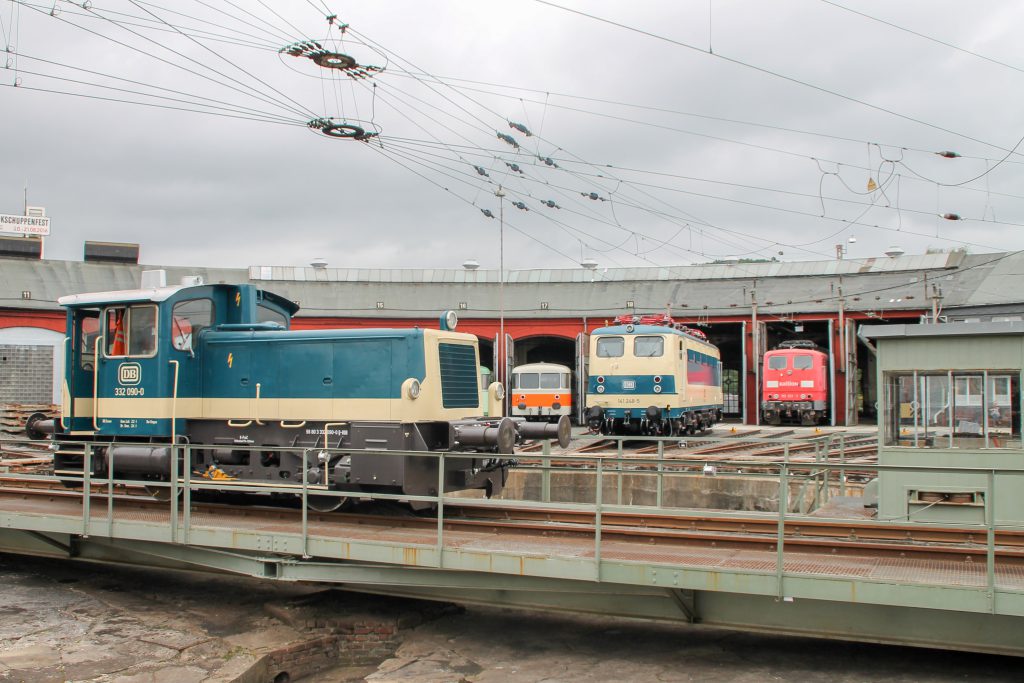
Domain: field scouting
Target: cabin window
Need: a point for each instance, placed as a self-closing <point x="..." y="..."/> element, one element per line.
<point x="265" y="314"/>
<point x="527" y="380"/>
<point x="550" y="380"/>
<point x="953" y="410"/>
<point x="188" y="318"/>
<point x="648" y="347"/>
<point x="803" y="362"/>
<point x="130" y="331"/>
<point x="610" y="347"/>
<point x="776" y="362"/>
<point x="89" y="329"/>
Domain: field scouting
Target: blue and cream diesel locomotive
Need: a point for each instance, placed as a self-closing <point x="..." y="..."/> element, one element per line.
<point x="652" y="376"/>
<point x="217" y="366"/>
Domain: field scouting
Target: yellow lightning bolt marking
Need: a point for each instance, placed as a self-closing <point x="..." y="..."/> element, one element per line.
<point x="231" y="358"/>
<point x="238" y="298"/>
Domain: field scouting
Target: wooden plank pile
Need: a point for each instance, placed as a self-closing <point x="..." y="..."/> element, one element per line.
<point x="14" y="415"/>
<point x="17" y="453"/>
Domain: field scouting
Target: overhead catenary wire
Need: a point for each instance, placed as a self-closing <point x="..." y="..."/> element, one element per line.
<point x="774" y="74"/>
<point x="240" y="88"/>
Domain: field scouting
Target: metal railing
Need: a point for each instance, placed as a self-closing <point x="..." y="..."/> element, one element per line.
<point x="816" y="479"/>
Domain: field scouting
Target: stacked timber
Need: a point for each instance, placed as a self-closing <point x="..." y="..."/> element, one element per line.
<point x="14" y="415"/>
<point x="17" y="453"/>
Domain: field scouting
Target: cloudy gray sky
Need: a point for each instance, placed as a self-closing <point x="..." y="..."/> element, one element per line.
<point x="705" y="129"/>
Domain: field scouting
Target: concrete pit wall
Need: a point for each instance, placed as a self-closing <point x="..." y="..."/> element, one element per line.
<point x="695" y="491"/>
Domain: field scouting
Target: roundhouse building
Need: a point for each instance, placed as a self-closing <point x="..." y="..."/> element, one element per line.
<point x="744" y="308"/>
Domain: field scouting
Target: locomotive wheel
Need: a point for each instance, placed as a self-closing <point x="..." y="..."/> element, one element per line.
<point x="326" y="503"/>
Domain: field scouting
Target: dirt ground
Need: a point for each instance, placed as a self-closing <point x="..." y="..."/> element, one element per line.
<point x="67" y="621"/>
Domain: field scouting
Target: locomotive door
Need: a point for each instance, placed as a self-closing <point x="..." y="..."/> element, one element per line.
<point x="831" y="373"/>
<point x="128" y="371"/>
<point x="80" y="371"/>
<point x="852" y="380"/>
<point x="582" y="367"/>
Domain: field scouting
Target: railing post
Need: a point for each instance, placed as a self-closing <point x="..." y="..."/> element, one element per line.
<point x="842" y="461"/>
<point x="187" y="495"/>
<point x="174" y="492"/>
<point x="86" y="487"/>
<point x="990" y="554"/>
<point x="661" y="470"/>
<point x="305" y="498"/>
<point x="618" y="490"/>
<point x="780" y="566"/>
<point x="545" y="476"/>
<point x="440" y="511"/>
<point x="598" y="496"/>
<point x="110" y="494"/>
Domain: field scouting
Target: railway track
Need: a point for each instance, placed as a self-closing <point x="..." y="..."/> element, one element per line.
<point x="671" y="529"/>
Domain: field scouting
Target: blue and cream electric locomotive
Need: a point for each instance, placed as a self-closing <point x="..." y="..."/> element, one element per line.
<point x="217" y="366"/>
<point x="652" y="376"/>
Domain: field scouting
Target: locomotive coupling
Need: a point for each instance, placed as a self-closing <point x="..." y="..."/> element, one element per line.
<point x="38" y="426"/>
<point x="562" y="430"/>
<point x="500" y="435"/>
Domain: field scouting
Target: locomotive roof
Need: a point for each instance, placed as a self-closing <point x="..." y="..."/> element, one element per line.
<point x="158" y="294"/>
<point x="155" y="294"/>
<point x="540" y="367"/>
<point x="648" y="329"/>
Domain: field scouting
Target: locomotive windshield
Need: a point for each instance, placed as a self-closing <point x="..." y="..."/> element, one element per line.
<point x="265" y="314"/>
<point x="777" y="363"/>
<point x="550" y="380"/>
<point x="527" y="380"/>
<point x="187" y="319"/>
<point x="648" y="347"/>
<point x="803" y="362"/>
<point x="130" y="331"/>
<point x="610" y="347"/>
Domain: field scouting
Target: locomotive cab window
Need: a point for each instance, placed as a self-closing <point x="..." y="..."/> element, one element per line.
<point x="527" y="380"/>
<point x="550" y="380"/>
<point x="265" y="314"/>
<point x="803" y="362"/>
<point x="130" y="331"/>
<point x="89" y="331"/>
<point x="610" y="347"/>
<point x="188" y="318"/>
<point x="648" y="347"/>
<point x="777" y="363"/>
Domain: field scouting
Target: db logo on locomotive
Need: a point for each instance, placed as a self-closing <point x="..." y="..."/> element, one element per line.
<point x="129" y="374"/>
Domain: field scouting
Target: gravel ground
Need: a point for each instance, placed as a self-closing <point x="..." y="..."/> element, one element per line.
<point x="65" y="621"/>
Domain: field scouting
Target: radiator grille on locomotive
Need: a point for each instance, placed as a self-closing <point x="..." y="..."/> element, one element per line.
<point x="458" y="376"/>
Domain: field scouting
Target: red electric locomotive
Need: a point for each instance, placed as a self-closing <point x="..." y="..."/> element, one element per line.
<point x="794" y="384"/>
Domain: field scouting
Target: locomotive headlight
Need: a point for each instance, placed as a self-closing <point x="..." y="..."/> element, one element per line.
<point x="449" y="320"/>
<point x="600" y="379"/>
<point x="775" y="395"/>
<point x="600" y="388"/>
<point x="657" y="388"/>
<point x="499" y="390"/>
<point x="657" y="379"/>
<point x="412" y="388"/>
